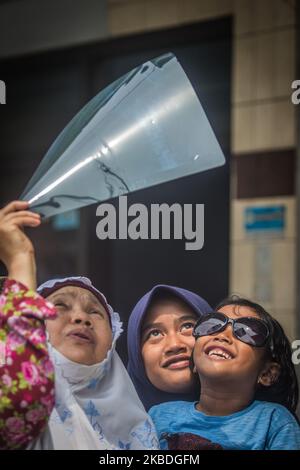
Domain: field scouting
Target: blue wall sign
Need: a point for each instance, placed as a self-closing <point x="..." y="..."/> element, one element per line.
<point x="264" y="218"/>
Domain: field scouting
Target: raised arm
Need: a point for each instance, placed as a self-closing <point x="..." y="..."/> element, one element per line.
<point x="26" y="373"/>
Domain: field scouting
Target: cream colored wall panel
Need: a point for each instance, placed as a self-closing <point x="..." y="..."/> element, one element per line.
<point x="283" y="129"/>
<point x="237" y="232"/>
<point x="288" y="321"/>
<point x="290" y="203"/>
<point x="274" y="125"/>
<point x="242" y="128"/>
<point x="265" y="66"/>
<point x="284" y="274"/>
<point x="263" y="15"/>
<point x="245" y="16"/>
<point x="127" y="17"/>
<point x="193" y="10"/>
<point x="285" y="62"/>
<point x="274" y="289"/>
<point x="263" y="126"/>
<point x="244" y="69"/>
<point x="162" y="13"/>
<point x="242" y="269"/>
<point x="275" y="64"/>
<point x="285" y="13"/>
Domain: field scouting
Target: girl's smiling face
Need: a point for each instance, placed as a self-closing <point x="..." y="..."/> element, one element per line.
<point x="167" y="344"/>
<point x="223" y="357"/>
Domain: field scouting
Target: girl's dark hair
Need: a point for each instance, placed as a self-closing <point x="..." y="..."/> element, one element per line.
<point x="285" y="389"/>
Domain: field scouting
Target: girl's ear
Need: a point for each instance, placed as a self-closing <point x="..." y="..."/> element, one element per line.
<point x="269" y="375"/>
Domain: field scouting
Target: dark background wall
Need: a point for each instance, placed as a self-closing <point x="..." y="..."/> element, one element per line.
<point x="43" y="94"/>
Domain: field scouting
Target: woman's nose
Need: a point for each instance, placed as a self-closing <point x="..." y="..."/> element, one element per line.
<point x="174" y="345"/>
<point x="79" y="317"/>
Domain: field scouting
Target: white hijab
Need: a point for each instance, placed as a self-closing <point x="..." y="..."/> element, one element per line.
<point x="96" y="407"/>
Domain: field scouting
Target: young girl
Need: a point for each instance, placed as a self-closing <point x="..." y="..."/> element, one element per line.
<point x="249" y="388"/>
<point x="160" y="344"/>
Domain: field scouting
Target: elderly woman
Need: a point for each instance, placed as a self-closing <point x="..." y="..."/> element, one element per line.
<point x="96" y="404"/>
<point x="160" y="344"/>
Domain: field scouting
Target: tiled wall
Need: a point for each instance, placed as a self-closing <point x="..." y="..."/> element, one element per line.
<point x="128" y="16"/>
<point x="263" y="266"/>
<point x="263" y="70"/>
<point x="263" y="119"/>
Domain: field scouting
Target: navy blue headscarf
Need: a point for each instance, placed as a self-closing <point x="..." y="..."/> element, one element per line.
<point x="148" y="393"/>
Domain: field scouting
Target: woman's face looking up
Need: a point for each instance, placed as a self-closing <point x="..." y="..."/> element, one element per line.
<point x="81" y="331"/>
<point x="167" y="344"/>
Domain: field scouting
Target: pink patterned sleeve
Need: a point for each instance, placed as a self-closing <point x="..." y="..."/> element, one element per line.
<point x="26" y="372"/>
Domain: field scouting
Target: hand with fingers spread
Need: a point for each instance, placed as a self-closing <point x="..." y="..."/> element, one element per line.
<point x="16" y="250"/>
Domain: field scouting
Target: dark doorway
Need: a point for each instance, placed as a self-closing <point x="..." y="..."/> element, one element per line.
<point x="127" y="269"/>
<point x="43" y="94"/>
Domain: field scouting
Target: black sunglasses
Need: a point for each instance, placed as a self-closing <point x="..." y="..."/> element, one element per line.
<point x="249" y="330"/>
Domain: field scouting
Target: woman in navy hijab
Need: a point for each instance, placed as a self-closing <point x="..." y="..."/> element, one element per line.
<point x="160" y="344"/>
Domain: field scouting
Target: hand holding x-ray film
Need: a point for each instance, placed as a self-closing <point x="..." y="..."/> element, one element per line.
<point x="146" y="128"/>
